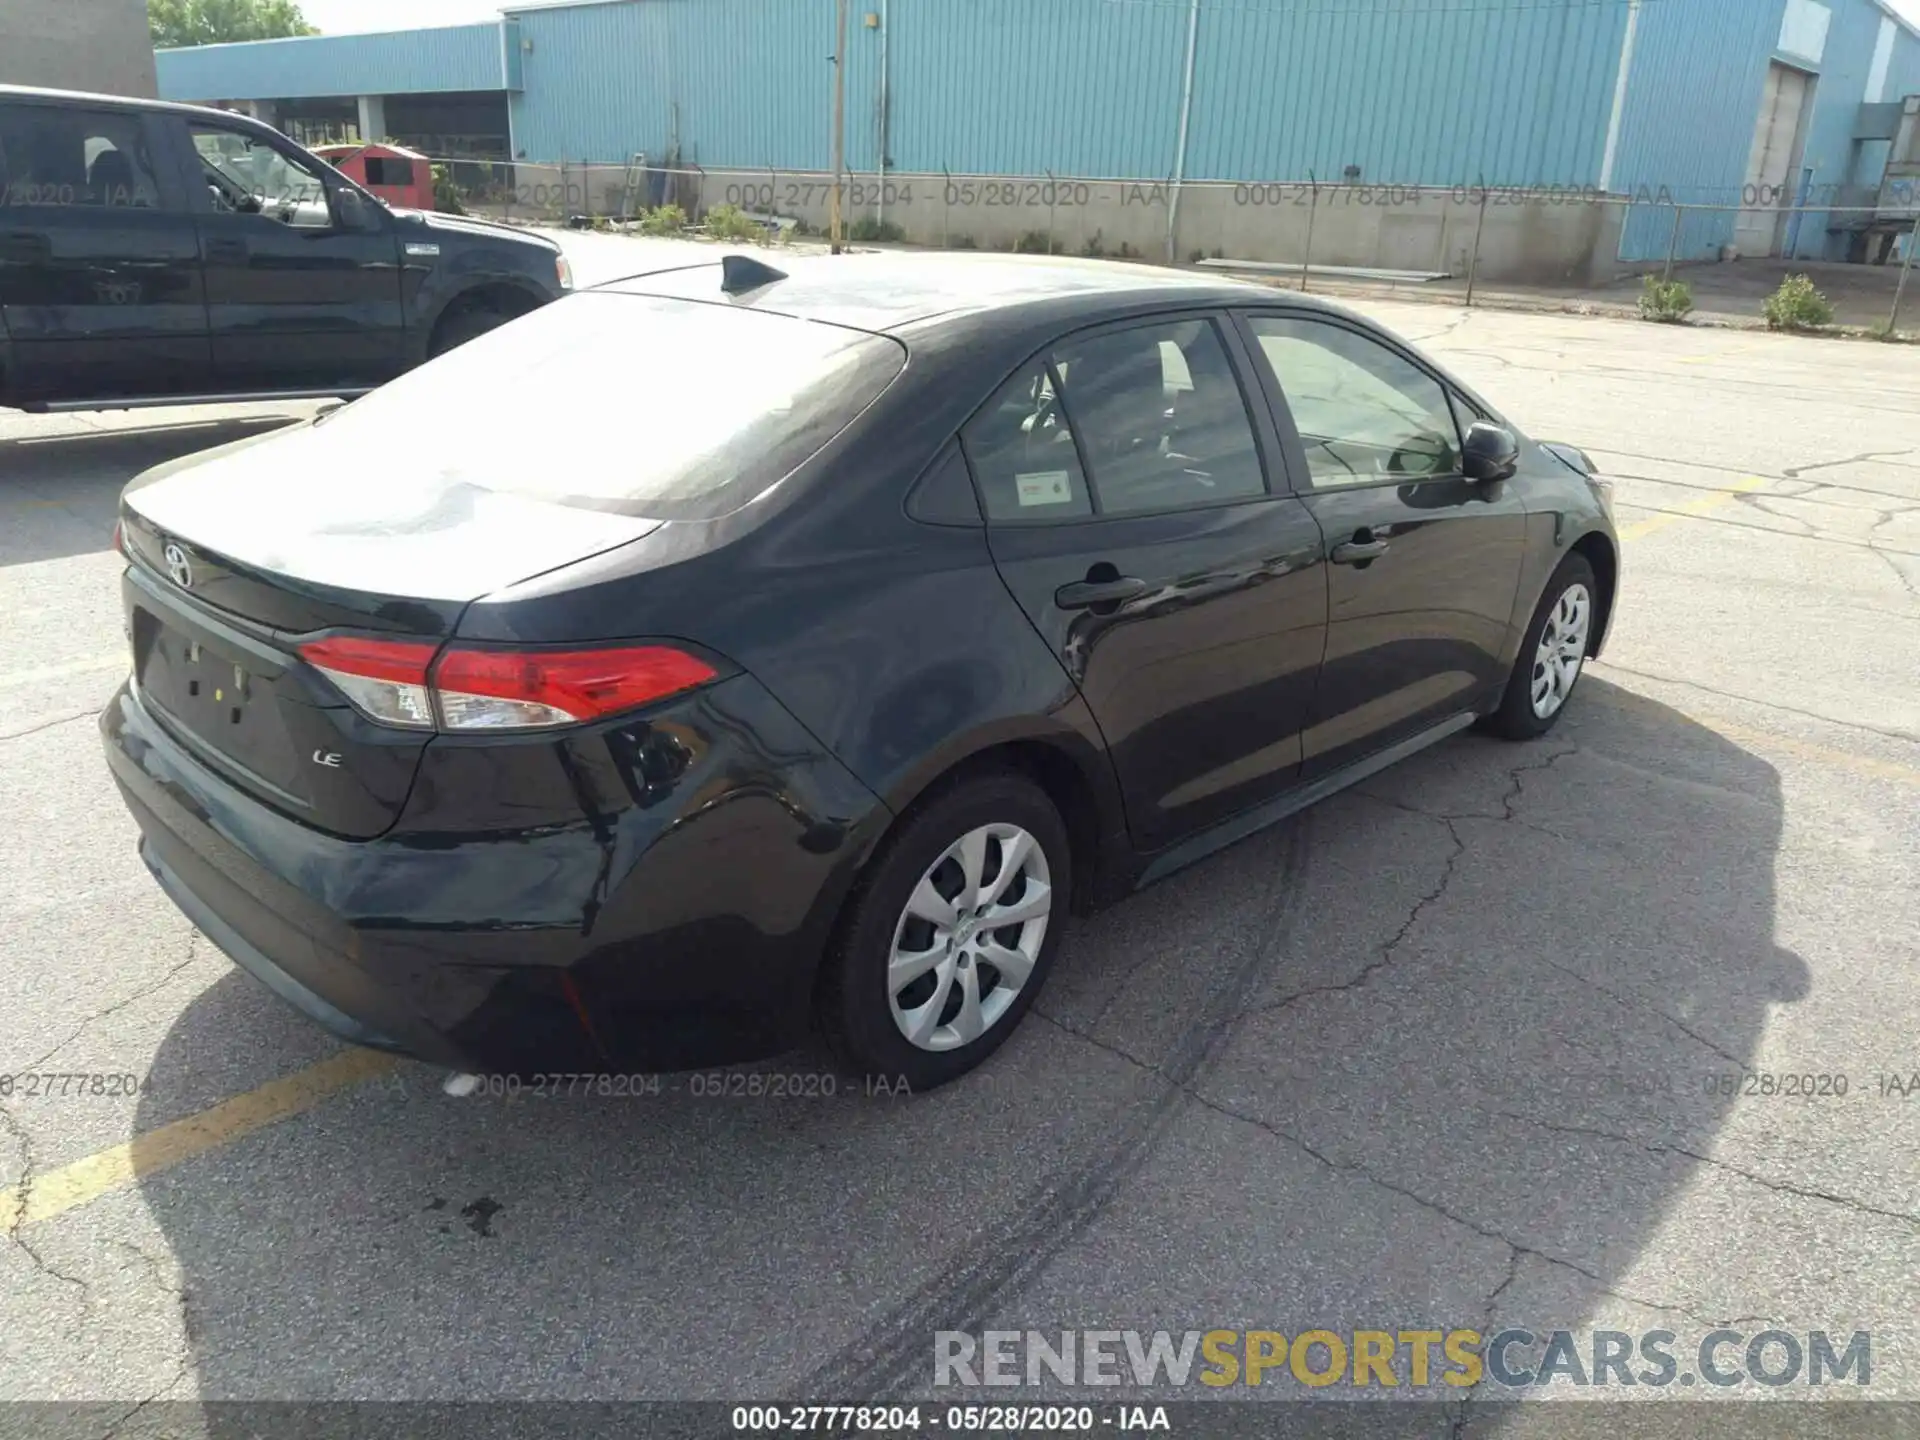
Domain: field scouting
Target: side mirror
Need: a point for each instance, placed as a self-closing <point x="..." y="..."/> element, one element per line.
<point x="353" y="211"/>
<point x="1489" y="453"/>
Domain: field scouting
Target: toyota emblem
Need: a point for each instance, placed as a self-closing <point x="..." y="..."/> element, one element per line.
<point x="177" y="566"/>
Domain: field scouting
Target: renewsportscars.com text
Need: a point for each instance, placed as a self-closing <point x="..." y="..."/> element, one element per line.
<point x="1409" y="1358"/>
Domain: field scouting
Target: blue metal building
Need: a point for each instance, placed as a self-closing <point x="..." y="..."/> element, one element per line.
<point x="1724" y="102"/>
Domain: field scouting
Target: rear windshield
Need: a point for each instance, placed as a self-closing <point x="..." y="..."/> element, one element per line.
<point x="673" y="409"/>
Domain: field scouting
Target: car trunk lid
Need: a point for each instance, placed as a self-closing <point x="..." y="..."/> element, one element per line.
<point x="224" y="586"/>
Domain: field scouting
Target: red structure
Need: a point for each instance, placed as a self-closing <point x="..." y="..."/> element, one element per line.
<point x="399" y="177"/>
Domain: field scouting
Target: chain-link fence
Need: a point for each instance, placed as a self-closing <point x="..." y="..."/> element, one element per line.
<point x="1459" y="241"/>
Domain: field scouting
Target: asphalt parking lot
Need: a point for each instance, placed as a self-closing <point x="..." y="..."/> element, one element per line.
<point x="1469" y="1047"/>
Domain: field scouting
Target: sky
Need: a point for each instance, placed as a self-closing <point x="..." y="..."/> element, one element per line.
<point x="339" y="17"/>
<point x="336" y="17"/>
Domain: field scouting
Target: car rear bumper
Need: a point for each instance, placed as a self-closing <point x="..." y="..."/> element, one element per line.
<point x="255" y="962"/>
<point x="678" y="920"/>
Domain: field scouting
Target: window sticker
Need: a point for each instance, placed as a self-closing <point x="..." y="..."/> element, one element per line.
<point x="1043" y="487"/>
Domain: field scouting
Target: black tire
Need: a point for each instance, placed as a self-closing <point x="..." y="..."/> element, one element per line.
<point x="854" y="1009"/>
<point x="1516" y="719"/>
<point x="467" y="320"/>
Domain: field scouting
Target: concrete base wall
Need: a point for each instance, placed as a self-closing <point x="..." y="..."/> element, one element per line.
<point x="97" y="45"/>
<point x="1544" y="240"/>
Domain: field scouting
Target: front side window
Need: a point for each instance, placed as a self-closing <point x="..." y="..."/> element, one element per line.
<point x="1364" y="412"/>
<point x="58" y="157"/>
<point x="247" y="175"/>
<point x="1465" y="412"/>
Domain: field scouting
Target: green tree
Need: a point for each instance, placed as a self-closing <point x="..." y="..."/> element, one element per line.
<point x="175" y="24"/>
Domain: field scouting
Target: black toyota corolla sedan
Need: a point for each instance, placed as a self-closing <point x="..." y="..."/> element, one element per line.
<point x="730" y="651"/>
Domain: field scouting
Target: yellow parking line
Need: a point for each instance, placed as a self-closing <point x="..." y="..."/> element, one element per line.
<point x="85" y="1181"/>
<point x="1634" y="703"/>
<point x="1704" y="505"/>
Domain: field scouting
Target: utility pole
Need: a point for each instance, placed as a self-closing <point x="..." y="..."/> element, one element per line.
<point x="835" y="230"/>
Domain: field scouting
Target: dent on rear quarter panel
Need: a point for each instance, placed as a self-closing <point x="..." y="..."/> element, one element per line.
<point x="688" y="861"/>
<point x="722" y="898"/>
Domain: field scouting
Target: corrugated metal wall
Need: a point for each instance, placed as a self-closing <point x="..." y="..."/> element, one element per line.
<point x="1440" y="92"/>
<point x="1411" y="91"/>
<point x="1698" y="69"/>
<point x="1079" y="87"/>
<point x="1434" y="91"/>
<point x="456" y="57"/>
<point x="1903" y="76"/>
<point x="739" y="82"/>
<point x="1840" y="91"/>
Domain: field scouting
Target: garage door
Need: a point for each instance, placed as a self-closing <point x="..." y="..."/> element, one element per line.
<point x="1770" y="163"/>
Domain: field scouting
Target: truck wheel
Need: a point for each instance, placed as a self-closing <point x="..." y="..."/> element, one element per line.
<point x="467" y="320"/>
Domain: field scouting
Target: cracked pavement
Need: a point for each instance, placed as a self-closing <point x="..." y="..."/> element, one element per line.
<point x="1462" y="1047"/>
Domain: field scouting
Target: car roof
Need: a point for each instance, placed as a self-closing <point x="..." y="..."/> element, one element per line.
<point x="888" y="291"/>
<point x="119" y="102"/>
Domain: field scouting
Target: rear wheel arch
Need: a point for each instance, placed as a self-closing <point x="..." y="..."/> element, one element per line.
<point x="1051" y="766"/>
<point x="1073" y="795"/>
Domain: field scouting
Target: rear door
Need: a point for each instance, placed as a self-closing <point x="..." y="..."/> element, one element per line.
<point x="1125" y="482"/>
<point x="297" y="297"/>
<point x="100" y="282"/>
<point x="1426" y="563"/>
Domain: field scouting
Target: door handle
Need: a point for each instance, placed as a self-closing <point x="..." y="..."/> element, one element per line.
<point x="1082" y="594"/>
<point x="227" y="251"/>
<point x="1359" y="552"/>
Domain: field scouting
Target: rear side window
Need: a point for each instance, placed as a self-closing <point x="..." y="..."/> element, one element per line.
<point x="1155" y="411"/>
<point x="670" y="409"/>
<point x="53" y="156"/>
<point x="1160" y="417"/>
<point x="1023" y="453"/>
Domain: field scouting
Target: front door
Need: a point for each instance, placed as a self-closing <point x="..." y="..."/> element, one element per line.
<point x="1125" y="485"/>
<point x="297" y="296"/>
<point x="1426" y="563"/>
<point x="99" y="265"/>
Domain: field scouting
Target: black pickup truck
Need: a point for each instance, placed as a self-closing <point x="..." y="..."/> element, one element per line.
<point x="166" y="254"/>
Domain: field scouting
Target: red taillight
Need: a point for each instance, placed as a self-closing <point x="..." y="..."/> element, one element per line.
<point x="513" y="689"/>
<point x="398" y="683"/>
<point x="119" y="539"/>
